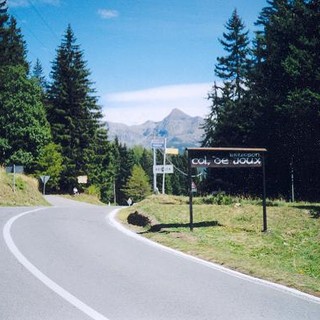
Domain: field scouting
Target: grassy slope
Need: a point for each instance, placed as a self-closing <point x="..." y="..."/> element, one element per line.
<point x="26" y="191"/>
<point x="288" y="253"/>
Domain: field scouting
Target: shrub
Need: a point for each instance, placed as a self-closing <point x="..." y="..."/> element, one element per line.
<point x="138" y="219"/>
<point x="93" y="190"/>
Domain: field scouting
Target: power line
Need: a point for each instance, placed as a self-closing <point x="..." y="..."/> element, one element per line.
<point x="43" y="20"/>
<point x="179" y="170"/>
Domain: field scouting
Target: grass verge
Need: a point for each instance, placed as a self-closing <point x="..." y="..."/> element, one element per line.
<point x="230" y="235"/>
<point x="82" y="197"/>
<point x="25" y="193"/>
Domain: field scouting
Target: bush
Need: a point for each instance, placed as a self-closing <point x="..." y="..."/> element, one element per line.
<point x="218" y="199"/>
<point x="138" y="219"/>
<point x="93" y="190"/>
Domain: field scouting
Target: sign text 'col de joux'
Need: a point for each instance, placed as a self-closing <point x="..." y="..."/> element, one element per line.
<point x="225" y="158"/>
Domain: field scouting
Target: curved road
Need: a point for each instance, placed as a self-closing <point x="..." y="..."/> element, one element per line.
<point x="70" y="262"/>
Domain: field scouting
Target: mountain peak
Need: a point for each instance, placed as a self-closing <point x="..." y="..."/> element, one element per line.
<point x="177" y="113"/>
<point x="182" y="131"/>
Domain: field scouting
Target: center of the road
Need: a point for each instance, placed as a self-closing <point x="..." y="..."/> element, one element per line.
<point x="93" y="314"/>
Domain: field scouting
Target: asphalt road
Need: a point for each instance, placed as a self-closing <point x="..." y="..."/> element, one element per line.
<point x="71" y="261"/>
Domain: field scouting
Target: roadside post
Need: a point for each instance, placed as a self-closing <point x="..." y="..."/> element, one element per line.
<point x="44" y="180"/>
<point x="14" y="169"/>
<point x="156" y="143"/>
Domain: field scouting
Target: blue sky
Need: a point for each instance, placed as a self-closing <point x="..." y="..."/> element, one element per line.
<point x="146" y="57"/>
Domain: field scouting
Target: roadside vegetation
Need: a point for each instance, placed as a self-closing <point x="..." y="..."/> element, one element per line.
<point x="83" y="197"/>
<point x="230" y="235"/>
<point x="25" y="193"/>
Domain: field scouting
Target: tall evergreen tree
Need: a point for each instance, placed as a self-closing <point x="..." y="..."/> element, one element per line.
<point x="73" y="112"/>
<point x="23" y="126"/>
<point x="12" y="45"/>
<point x="124" y="162"/>
<point x="38" y="75"/>
<point x="101" y="167"/>
<point x="227" y="97"/>
<point x="286" y="90"/>
<point x="234" y="67"/>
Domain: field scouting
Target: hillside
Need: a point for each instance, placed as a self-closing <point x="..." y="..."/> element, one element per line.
<point x="180" y="129"/>
<point x="26" y="191"/>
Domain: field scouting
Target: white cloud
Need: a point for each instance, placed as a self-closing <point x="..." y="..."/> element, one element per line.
<point x="108" y="14"/>
<point x="136" y="107"/>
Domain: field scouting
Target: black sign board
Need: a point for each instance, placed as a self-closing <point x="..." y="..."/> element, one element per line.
<point x="227" y="158"/>
<point x="224" y="158"/>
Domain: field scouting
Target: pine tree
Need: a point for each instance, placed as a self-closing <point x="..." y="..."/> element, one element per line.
<point x="234" y="67"/>
<point x="101" y="167"/>
<point x="12" y="45"/>
<point x="124" y="162"/>
<point x="38" y="75"/>
<point x="286" y="90"/>
<point x="227" y="98"/>
<point x="23" y="126"/>
<point x="73" y="112"/>
<point x="137" y="186"/>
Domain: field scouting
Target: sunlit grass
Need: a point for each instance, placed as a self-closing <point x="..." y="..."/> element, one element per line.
<point x="25" y="193"/>
<point x="82" y="197"/>
<point x="288" y="253"/>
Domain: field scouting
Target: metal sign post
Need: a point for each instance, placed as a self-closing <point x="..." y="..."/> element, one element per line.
<point x="227" y="158"/>
<point x="164" y="164"/>
<point x="14" y="169"/>
<point x="44" y="180"/>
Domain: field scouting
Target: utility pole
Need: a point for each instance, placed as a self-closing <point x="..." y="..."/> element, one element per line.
<point x="292" y="180"/>
<point x="164" y="165"/>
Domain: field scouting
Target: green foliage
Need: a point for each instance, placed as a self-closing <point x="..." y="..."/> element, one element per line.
<point x="93" y="190"/>
<point x="23" y="125"/>
<point x="74" y="115"/>
<point x="12" y="45"/>
<point x="277" y="105"/>
<point x="124" y="162"/>
<point x="137" y="186"/>
<point x="20" y="184"/>
<point x="49" y="163"/>
<point x="217" y="199"/>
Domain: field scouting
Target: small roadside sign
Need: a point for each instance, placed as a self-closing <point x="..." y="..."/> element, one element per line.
<point x="44" y="180"/>
<point x="158" y="144"/>
<point x="163" y="169"/>
<point x="173" y="151"/>
<point x="14" y="169"/>
<point x="82" y="179"/>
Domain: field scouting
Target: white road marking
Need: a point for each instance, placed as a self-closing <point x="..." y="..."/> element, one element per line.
<point x="111" y="218"/>
<point x="41" y="276"/>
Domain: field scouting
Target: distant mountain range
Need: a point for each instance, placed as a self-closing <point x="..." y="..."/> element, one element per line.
<point x="180" y="129"/>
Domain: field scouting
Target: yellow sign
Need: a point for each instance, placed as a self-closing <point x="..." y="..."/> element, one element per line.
<point x="172" y="151"/>
<point x="82" y="179"/>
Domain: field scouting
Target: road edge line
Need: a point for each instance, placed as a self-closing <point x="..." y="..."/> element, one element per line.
<point x="93" y="314"/>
